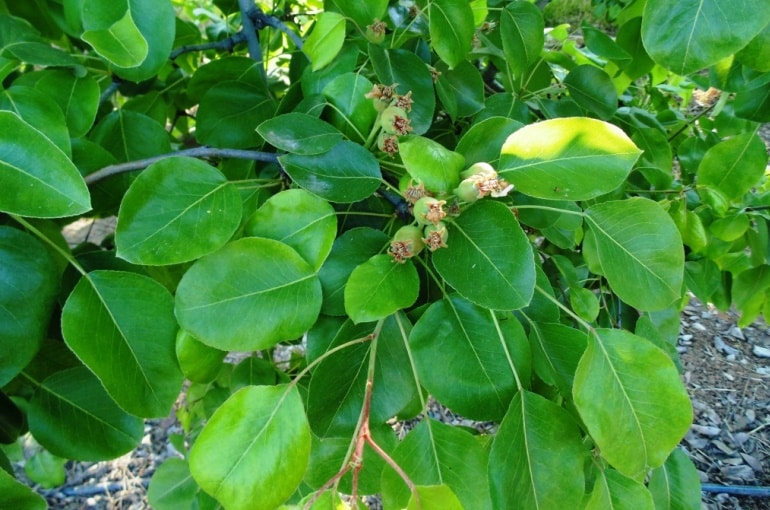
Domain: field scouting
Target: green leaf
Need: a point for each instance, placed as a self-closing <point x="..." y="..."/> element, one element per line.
<point x="451" y="29"/>
<point x="40" y="112"/>
<point x="250" y="295"/>
<point x="410" y="73"/>
<point x="12" y="422"/>
<point x="556" y="352"/>
<point x="353" y="112"/>
<point x="300" y="219"/>
<point x="756" y="54"/>
<point x="73" y="400"/>
<point x="616" y="492"/>
<point x="380" y="287"/>
<point x="629" y="39"/>
<point x="632" y="401"/>
<point x="748" y="292"/>
<point x="753" y="104"/>
<point x="134" y="35"/>
<point x="229" y="113"/>
<point x="463" y="86"/>
<point x="734" y="166"/>
<point x="337" y="388"/>
<point x="521" y="29"/>
<point x="469" y="359"/>
<point x="131" y="317"/>
<point x="603" y="46"/>
<point x="639" y="251"/>
<point x="20" y="41"/>
<point x="434" y="497"/>
<point x="352" y="248"/>
<point x="130" y="136"/>
<point x="110" y="29"/>
<point x="430" y="455"/>
<point x="177" y="210"/>
<point x="39" y="180"/>
<point x="676" y="485"/>
<point x="537" y="457"/>
<point x="242" y="455"/>
<point x="568" y="159"/>
<point x="45" y="469"/>
<point x="230" y="68"/>
<point x="29" y="285"/>
<point x="489" y="260"/>
<point x="481" y="141"/>
<point x="326" y="39"/>
<point x="14" y="494"/>
<point x="686" y="36"/>
<point x="431" y="163"/>
<point x="77" y="97"/>
<point x="199" y="362"/>
<point x="299" y="133"/>
<point x="172" y="486"/>
<point x="362" y="13"/>
<point x="346" y="173"/>
<point x="593" y="90"/>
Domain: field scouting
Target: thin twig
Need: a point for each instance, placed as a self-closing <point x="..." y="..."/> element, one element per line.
<point x="252" y="37"/>
<point x="260" y="20"/>
<point x="196" y="152"/>
<point x="225" y="44"/>
<point x="110" y="90"/>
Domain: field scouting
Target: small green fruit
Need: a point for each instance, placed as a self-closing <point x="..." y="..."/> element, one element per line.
<point x="429" y="210"/>
<point x="406" y="243"/>
<point x="394" y="121"/>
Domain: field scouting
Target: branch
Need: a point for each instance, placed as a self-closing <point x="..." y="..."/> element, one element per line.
<point x="111" y="89"/>
<point x="250" y="31"/>
<point x="225" y="44"/>
<point x="196" y="152"/>
<point x="261" y="20"/>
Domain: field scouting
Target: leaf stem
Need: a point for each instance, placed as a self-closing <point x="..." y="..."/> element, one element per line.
<point x="195" y="152"/>
<point x="566" y="309"/>
<point x="66" y="254"/>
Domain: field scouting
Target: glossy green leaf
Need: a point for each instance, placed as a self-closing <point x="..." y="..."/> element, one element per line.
<point x="337" y="388"/>
<point x="625" y="387"/>
<point x="14" y="494"/>
<point x="300" y="219"/>
<point x="77" y="97"/>
<point x="435" y="453"/>
<point x="40" y="112"/>
<point x="629" y="39"/>
<point x="613" y="491"/>
<point x="199" y="362"/>
<point x="352" y="248"/>
<point x="482" y="141"/>
<point x="541" y="308"/>
<point x="429" y="162"/>
<point x="176" y="210"/>
<point x="639" y="251"/>
<point x="352" y="111"/>
<point x="380" y="287"/>
<point x="112" y="32"/>
<point x="45" y="469"/>
<point x="29" y="282"/>
<point x="469" y="359"/>
<point x="734" y="166"/>
<point x="254" y="371"/>
<point x="172" y="486"/>
<point x="489" y="260"/>
<point x="362" y="13"/>
<point x="593" y="90"/>
<point x="130" y="135"/>
<point x="20" y="41"/>
<point x="567" y="159"/>
<point x="346" y="173"/>
<point x="556" y="352"/>
<point x="585" y="303"/>
<point x="231" y="68"/>
<point x="521" y="29"/>
<point x="130" y="317"/>
<point x="753" y="104"/>
<point x="39" y="180"/>
<point x="463" y="86"/>
<point x="601" y="44"/>
<point x="756" y="54"/>
<point x="434" y="497"/>
<point x="134" y="35"/>
<point x="676" y="485"/>
<point x="250" y="295"/>
<point x="299" y="133"/>
<point x="229" y="113"/>
<point x="657" y="159"/>
<point x="451" y="29"/>
<point x="730" y="228"/>
<point x="410" y="73"/>
<point x="241" y="457"/>
<point x="326" y="39"/>
<point x="73" y="400"/>
<point x="686" y="36"/>
<point x="537" y="457"/>
<point x="748" y="292"/>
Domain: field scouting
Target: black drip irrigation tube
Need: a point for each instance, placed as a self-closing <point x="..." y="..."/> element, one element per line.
<point x="737" y="490"/>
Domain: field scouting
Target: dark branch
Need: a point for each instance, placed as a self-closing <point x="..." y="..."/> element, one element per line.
<point x="109" y="91"/>
<point x="225" y="44"/>
<point x="261" y="20"/>
<point x="197" y="152"/>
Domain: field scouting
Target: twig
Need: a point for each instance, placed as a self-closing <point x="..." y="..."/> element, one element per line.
<point x="252" y="37"/>
<point x="110" y="90"/>
<point x="196" y="152"/>
<point x="225" y="44"/>
<point x="261" y="20"/>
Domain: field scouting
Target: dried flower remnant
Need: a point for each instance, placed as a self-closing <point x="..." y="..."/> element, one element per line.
<point x="436" y="236"/>
<point x="404" y="101"/>
<point x="429" y="210"/>
<point x="481" y="180"/>
<point x="382" y="95"/>
<point x="388" y="144"/>
<point x="406" y="243"/>
<point x="415" y="192"/>
<point x="375" y="32"/>
<point x="394" y="121"/>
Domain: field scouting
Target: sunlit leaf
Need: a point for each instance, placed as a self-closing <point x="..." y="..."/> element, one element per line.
<point x="614" y="491"/>
<point x="451" y="29"/>
<point x="299" y="133"/>
<point x="326" y="39"/>
<point x="734" y="166"/>
<point x="431" y="163"/>
<point x="521" y="28"/>
<point x="379" y="287"/>
<point x="676" y="484"/>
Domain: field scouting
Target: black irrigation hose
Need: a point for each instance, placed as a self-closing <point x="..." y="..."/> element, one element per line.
<point x="737" y="490"/>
